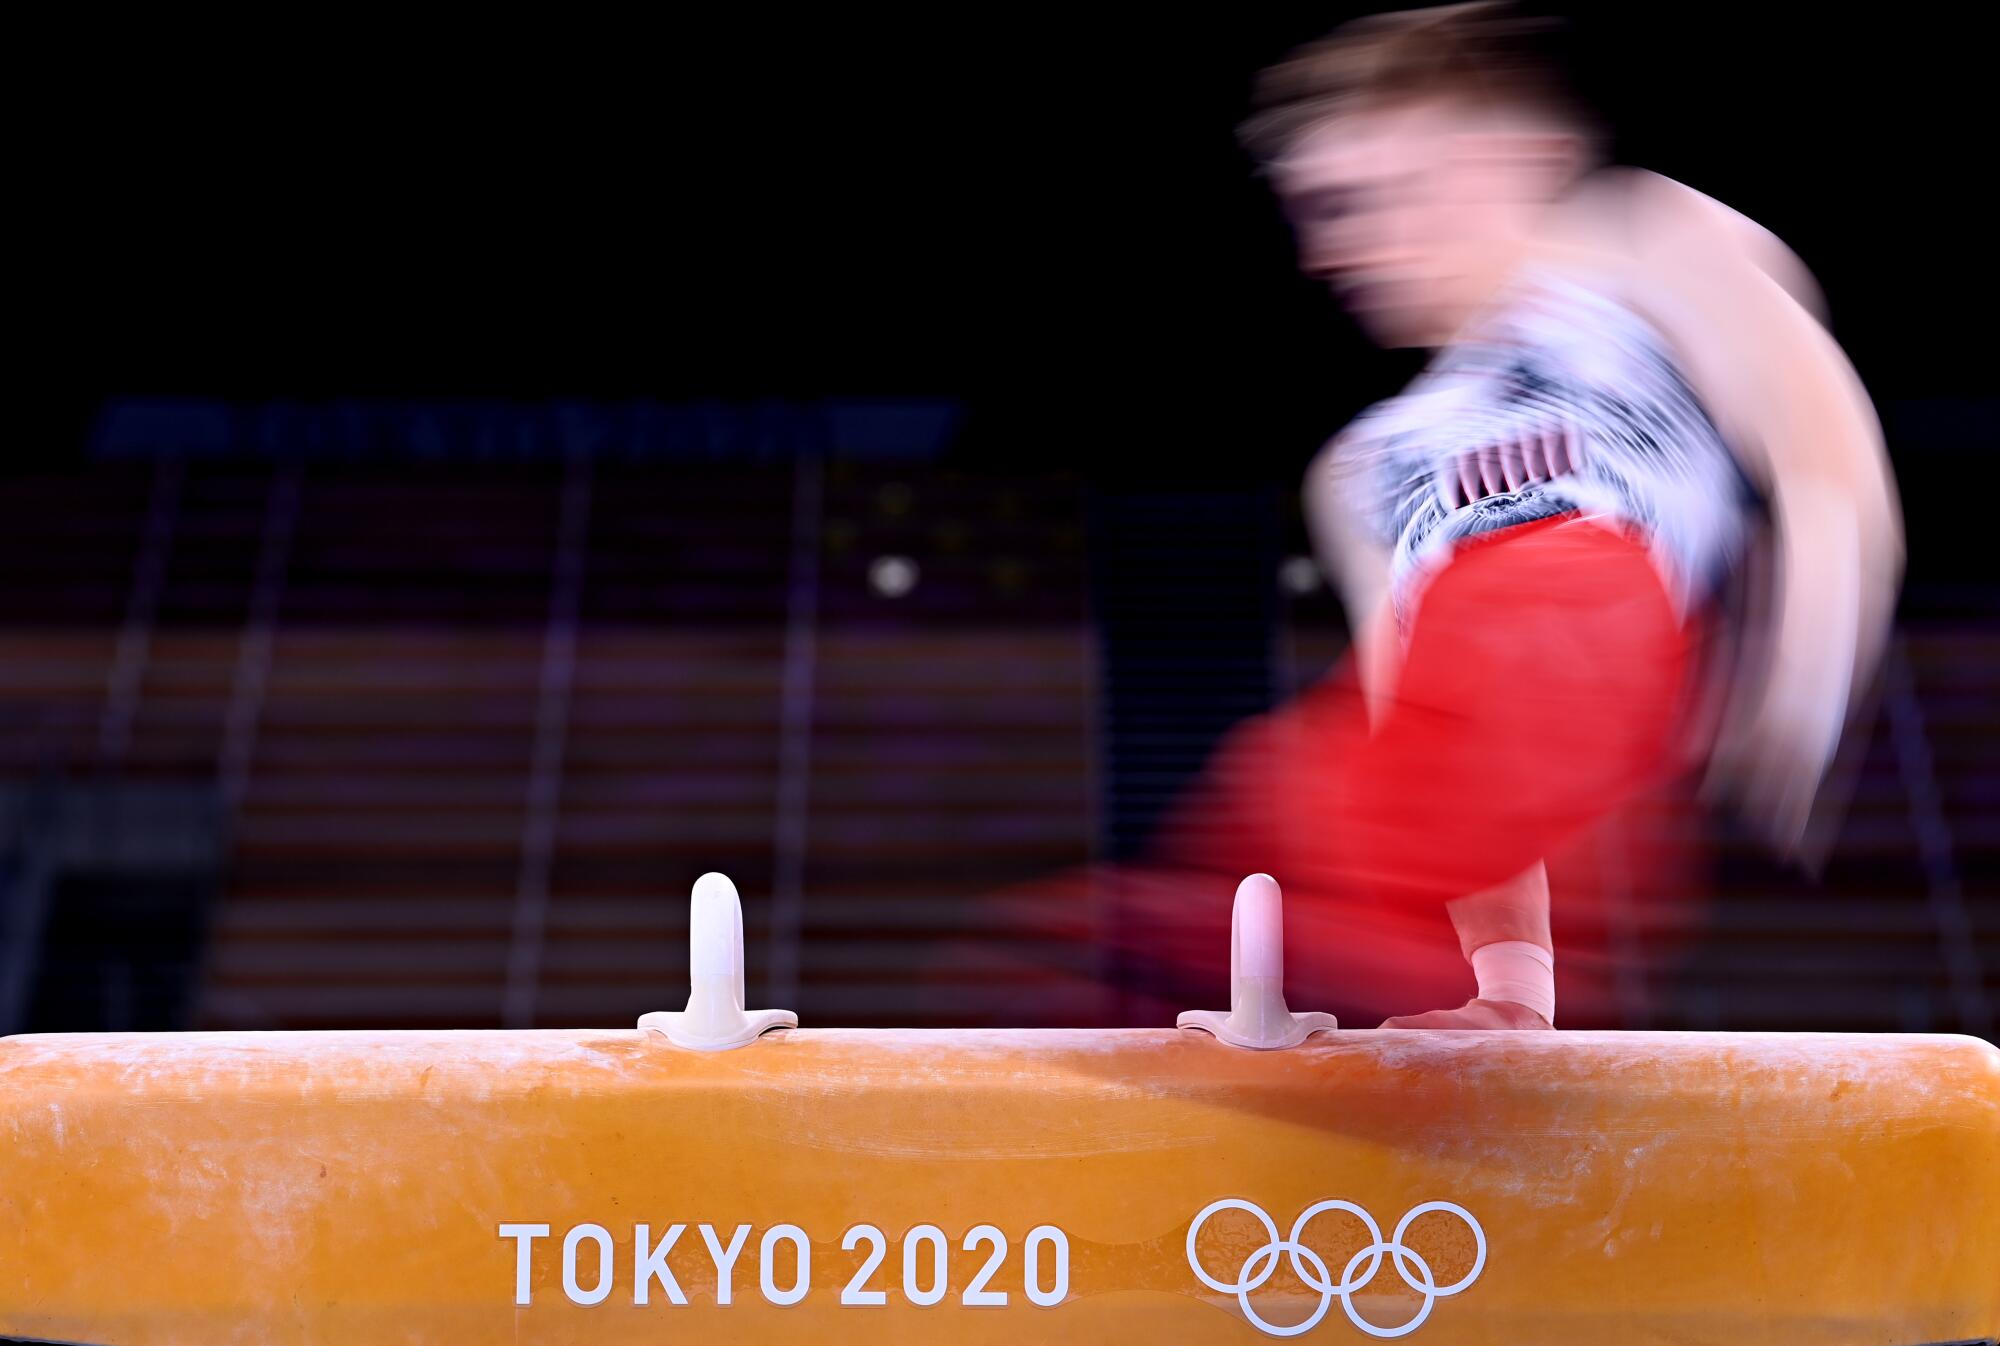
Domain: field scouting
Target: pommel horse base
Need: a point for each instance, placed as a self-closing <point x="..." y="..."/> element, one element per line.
<point x="827" y="1185"/>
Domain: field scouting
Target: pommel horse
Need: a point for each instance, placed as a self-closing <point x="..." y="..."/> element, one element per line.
<point x="720" y="1174"/>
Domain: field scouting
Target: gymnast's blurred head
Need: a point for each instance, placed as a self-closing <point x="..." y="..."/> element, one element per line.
<point x="1414" y="151"/>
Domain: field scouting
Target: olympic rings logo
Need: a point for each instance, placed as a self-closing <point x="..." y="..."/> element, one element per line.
<point x="1311" y="1268"/>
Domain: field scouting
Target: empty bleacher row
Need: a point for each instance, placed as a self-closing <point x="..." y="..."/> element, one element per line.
<point x="375" y="863"/>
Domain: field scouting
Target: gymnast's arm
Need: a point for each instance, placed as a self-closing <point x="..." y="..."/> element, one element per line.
<point x="1792" y="406"/>
<point x="1356" y="562"/>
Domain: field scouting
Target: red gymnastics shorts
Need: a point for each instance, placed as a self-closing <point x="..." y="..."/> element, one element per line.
<point x="1540" y="714"/>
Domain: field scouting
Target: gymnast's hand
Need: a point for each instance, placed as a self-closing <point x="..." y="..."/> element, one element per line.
<point x="1473" y="1014"/>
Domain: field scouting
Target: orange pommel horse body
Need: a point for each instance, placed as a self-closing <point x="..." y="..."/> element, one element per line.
<point x="1114" y="1186"/>
<point x="364" y="1188"/>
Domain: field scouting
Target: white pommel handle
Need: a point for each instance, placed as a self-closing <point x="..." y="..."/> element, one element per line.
<point x="715" y="1019"/>
<point x="1257" y="931"/>
<point x="1258" y="1017"/>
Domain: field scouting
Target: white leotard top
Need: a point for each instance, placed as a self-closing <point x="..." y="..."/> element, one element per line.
<point x="1564" y="401"/>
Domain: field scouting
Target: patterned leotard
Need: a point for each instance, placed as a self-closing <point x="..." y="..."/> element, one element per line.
<point x="1564" y="402"/>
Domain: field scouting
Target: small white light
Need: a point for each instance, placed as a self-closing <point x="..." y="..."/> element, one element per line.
<point x="1299" y="575"/>
<point x="892" y="576"/>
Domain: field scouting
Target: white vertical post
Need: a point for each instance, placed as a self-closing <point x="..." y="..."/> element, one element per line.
<point x="1257" y="1016"/>
<point x="715" y="1019"/>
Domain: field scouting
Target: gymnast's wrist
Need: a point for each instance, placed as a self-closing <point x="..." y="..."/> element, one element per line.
<point x="1518" y="972"/>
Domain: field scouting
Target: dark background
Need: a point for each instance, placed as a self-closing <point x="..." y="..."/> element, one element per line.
<point x="1047" y="219"/>
<point x="1041" y="222"/>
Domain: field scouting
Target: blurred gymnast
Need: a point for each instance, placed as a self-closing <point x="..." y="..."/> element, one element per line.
<point x="1632" y="389"/>
<point x="1529" y="538"/>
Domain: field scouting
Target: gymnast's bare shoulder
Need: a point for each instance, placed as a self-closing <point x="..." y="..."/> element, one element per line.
<point x="1618" y="219"/>
<point x="1748" y="327"/>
